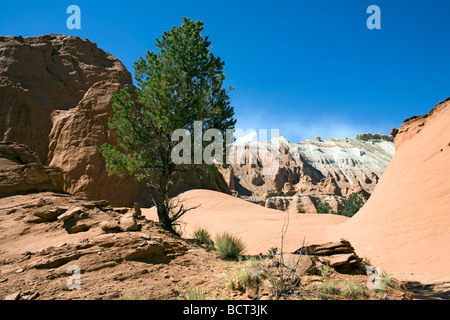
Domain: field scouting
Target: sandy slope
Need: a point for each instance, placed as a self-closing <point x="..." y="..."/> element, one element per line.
<point x="404" y="228"/>
<point x="259" y="227"/>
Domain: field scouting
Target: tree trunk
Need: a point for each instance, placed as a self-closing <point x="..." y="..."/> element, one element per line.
<point x="161" y="204"/>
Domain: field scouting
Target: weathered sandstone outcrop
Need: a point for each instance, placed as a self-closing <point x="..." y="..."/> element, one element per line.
<point x="335" y="167"/>
<point x="404" y="226"/>
<point x="304" y="203"/>
<point x="21" y="170"/>
<point x="55" y="93"/>
<point x="55" y="97"/>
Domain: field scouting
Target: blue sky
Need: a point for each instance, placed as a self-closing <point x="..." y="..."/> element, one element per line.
<point x="309" y="68"/>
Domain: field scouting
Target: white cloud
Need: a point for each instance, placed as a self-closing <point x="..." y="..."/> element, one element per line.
<point x="252" y="136"/>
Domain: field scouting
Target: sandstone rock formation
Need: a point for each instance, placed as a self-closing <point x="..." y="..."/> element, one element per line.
<point x="55" y="97"/>
<point x="335" y="167"/>
<point x="304" y="203"/>
<point x="47" y="74"/>
<point x="404" y="227"/>
<point x="21" y="171"/>
<point x="55" y="94"/>
<point x="339" y="255"/>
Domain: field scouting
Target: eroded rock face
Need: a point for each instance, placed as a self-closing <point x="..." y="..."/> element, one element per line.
<point x="21" y="171"/>
<point x="40" y="75"/>
<point x="304" y="203"/>
<point x="55" y="97"/>
<point x="334" y="167"/>
<point x="55" y="92"/>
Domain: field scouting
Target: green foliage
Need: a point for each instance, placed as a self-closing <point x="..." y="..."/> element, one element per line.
<point x="386" y="281"/>
<point x="231" y="284"/>
<point x="353" y="290"/>
<point x="353" y="204"/>
<point x="324" y="208"/>
<point x="328" y="287"/>
<point x="202" y="236"/>
<point x="177" y="230"/>
<point x="229" y="246"/>
<point x="179" y="84"/>
<point x="195" y="294"/>
<point x="326" y="270"/>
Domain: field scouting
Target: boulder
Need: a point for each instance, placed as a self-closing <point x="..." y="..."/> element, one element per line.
<point x="128" y="223"/>
<point x="13" y="296"/>
<point x="111" y="226"/>
<point x="70" y="213"/>
<point x="339" y="255"/>
<point x="59" y="106"/>
<point x="47" y="215"/>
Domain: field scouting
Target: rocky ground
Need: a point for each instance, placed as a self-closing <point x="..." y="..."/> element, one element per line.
<point x="47" y="237"/>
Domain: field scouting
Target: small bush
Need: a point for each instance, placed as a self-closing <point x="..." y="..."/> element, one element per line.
<point x="195" y="294"/>
<point x="324" y="208"/>
<point x="353" y="204"/>
<point x="230" y="283"/>
<point x="353" y="290"/>
<point x="386" y="281"/>
<point x="202" y="236"/>
<point x="177" y="230"/>
<point x="229" y="247"/>
<point x="253" y="263"/>
<point x="325" y="270"/>
<point x="328" y="287"/>
<point x="272" y="253"/>
<point x="243" y="275"/>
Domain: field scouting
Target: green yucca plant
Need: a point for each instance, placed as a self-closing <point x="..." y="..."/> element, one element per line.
<point x="229" y="247"/>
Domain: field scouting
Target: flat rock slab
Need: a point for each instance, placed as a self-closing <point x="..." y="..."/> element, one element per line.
<point x="70" y="213"/>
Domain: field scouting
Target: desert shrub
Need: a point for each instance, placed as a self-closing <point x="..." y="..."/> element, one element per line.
<point x="353" y="290"/>
<point x="177" y="230"/>
<point x="195" y="294"/>
<point x="353" y="204"/>
<point x="328" y="287"/>
<point x="202" y="236"/>
<point x="282" y="275"/>
<point x="229" y="247"/>
<point x="243" y="275"/>
<point x="324" y="208"/>
<point x="325" y="270"/>
<point x="272" y="252"/>
<point x="253" y="262"/>
<point x="231" y="284"/>
<point x="386" y="281"/>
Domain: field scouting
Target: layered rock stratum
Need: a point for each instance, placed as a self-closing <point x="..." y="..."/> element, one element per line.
<point x="311" y="172"/>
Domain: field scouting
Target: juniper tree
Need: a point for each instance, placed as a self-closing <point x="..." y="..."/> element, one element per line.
<point x="352" y="205"/>
<point x="178" y="84"/>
